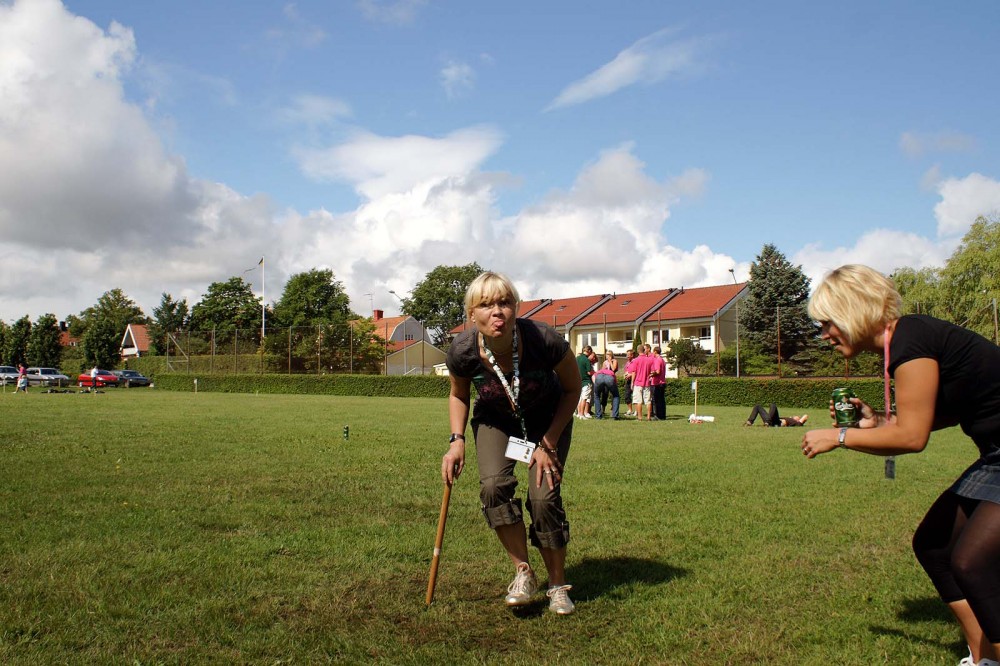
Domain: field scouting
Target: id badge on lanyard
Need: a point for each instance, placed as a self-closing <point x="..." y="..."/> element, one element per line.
<point x="518" y="448"/>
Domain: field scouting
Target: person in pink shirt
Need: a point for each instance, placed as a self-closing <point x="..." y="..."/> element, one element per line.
<point x="658" y="385"/>
<point x="640" y="383"/>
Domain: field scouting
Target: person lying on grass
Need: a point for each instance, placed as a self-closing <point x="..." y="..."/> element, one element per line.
<point x="773" y="419"/>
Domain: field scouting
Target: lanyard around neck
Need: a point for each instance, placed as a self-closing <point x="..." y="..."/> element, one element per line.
<point x="513" y="393"/>
<point x="885" y="356"/>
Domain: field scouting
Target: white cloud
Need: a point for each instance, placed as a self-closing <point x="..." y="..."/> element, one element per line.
<point x="379" y="166"/>
<point x="882" y="249"/>
<point x="457" y="78"/>
<point x="90" y="200"/>
<point x="315" y="110"/>
<point x="391" y="11"/>
<point x="916" y="145"/>
<point x="294" y="31"/>
<point x="963" y="200"/>
<point x="647" y="61"/>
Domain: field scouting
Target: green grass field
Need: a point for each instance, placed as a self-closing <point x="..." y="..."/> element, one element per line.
<point x="147" y="527"/>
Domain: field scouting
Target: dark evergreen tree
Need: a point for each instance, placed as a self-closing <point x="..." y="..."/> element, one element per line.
<point x="169" y="316"/>
<point x="774" y="315"/>
<point x="101" y="344"/>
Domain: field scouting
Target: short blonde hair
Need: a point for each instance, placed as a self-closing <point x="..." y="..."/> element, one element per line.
<point x="858" y="299"/>
<point x="490" y="287"/>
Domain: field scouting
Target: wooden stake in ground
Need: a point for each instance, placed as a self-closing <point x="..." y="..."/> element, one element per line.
<point x="438" y="540"/>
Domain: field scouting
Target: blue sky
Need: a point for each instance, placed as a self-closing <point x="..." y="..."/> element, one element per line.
<point x="580" y="147"/>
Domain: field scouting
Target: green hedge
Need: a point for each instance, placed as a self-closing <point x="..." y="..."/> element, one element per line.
<point x="722" y="391"/>
<point x="733" y="392"/>
<point x="397" y="386"/>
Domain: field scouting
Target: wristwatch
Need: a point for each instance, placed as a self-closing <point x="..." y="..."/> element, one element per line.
<point x="840" y="438"/>
<point x="454" y="436"/>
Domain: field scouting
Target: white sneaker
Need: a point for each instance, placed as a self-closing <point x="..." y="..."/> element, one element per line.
<point x="559" y="601"/>
<point x="587" y="416"/>
<point x="523" y="587"/>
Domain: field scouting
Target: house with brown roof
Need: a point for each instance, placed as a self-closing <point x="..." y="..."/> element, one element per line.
<point x="135" y="342"/>
<point x="407" y="348"/>
<point x="708" y="315"/>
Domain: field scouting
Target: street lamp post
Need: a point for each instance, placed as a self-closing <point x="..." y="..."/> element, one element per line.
<point x="733" y="273"/>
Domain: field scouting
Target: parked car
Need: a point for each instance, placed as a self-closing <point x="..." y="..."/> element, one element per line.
<point x="131" y="378"/>
<point x="46" y="377"/>
<point x="103" y="378"/>
<point x="8" y="374"/>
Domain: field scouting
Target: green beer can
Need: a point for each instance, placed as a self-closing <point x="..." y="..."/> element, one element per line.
<point x="846" y="412"/>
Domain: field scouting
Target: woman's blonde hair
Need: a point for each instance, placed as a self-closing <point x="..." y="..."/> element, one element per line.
<point x="490" y="287"/>
<point x="858" y="299"/>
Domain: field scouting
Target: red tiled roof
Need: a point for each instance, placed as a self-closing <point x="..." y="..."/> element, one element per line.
<point x="624" y="307"/>
<point x="140" y="336"/>
<point x="561" y="311"/>
<point x="697" y="303"/>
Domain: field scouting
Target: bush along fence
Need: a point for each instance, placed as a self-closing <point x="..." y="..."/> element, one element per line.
<point x="722" y="391"/>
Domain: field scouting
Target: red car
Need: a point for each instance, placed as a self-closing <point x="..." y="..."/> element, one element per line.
<point x="103" y="378"/>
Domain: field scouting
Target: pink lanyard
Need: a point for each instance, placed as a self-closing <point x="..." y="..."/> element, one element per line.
<point x="885" y="347"/>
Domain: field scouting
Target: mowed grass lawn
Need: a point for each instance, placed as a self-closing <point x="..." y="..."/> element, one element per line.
<point x="147" y="527"/>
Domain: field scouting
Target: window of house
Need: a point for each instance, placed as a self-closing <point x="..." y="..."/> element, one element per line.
<point x="705" y="332"/>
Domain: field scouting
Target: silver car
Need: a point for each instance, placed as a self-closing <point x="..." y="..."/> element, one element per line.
<point x="8" y="374"/>
<point x="46" y="377"/>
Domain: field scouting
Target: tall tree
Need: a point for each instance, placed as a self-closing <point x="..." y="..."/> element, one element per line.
<point x="319" y="334"/>
<point x="4" y="334"/>
<point x="775" y="308"/>
<point x="114" y="306"/>
<point x="438" y="301"/>
<point x="970" y="280"/>
<point x="920" y="289"/>
<point x="169" y="316"/>
<point x="312" y="297"/>
<point x="44" y="347"/>
<point x="101" y="344"/>
<point x="17" y="342"/>
<point x="227" y="307"/>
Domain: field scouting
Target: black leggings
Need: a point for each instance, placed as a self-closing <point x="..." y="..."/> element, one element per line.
<point x="769" y="417"/>
<point x="958" y="545"/>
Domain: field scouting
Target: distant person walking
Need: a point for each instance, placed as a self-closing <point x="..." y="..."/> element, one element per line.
<point x="22" y="378"/>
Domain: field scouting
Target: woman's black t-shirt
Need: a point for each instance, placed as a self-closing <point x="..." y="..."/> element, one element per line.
<point x="543" y="349"/>
<point x="969" y="370"/>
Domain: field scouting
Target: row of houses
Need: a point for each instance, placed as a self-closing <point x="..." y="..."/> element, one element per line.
<point x="614" y="322"/>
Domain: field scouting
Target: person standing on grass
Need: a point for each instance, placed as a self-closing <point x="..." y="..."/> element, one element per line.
<point x="586" y="368"/>
<point x="606" y="384"/>
<point x="22" y="378"/>
<point x="527" y="386"/>
<point x="658" y="385"/>
<point x="629" y="374"/>
<point x="945" y="375"/>
<point x="641" y="395"/>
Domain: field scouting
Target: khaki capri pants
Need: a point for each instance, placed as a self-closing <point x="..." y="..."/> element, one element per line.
<point x="497" y="485"/>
